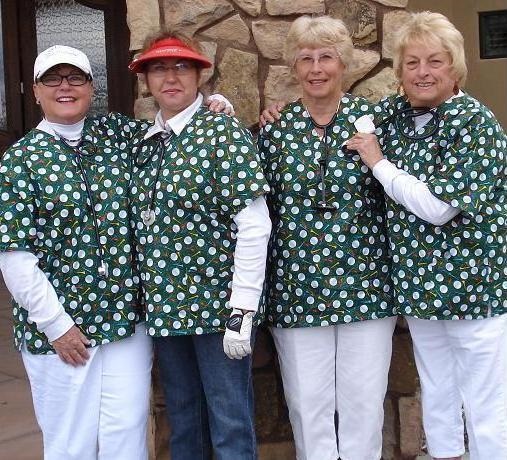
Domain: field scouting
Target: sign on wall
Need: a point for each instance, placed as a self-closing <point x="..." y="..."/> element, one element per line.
<point x="493" y="34"/>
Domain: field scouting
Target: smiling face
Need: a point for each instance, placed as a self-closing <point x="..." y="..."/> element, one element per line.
<point x="320" y="73"/>
<point x="427" y="74"/>
<point x="173" y="83"/>
<point x="64" y="103"/>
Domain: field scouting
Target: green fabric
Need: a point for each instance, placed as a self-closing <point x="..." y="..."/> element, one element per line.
<point x="209" y="173"/>
<point x="457" y="270"/>
<point x="44" y="209"/>
<point x="324" y="268"/>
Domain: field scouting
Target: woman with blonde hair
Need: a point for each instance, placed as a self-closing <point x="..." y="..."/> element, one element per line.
<point x="329" y="294"/>
<point x="443" y="170"/>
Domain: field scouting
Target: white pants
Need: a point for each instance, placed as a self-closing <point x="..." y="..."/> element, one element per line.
<point x="98" y="411"/>
<point x="463" y="364"/>
<point x="342" y="369"/>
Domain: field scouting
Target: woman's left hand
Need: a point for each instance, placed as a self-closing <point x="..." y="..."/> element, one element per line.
<point x="238" y="330"/>
<point x="368" y="148"/>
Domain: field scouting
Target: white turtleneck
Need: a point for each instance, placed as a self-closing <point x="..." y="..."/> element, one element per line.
<point x="26" y="282"/>
<point x="71" y="133"/>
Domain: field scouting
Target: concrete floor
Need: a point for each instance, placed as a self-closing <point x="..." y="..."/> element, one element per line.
<point x="20" y="437"/>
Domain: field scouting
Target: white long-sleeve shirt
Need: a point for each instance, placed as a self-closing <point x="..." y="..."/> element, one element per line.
<point x="32" y="291"/>
<point x="254" y="228"/>
<point x="413" y="194"/>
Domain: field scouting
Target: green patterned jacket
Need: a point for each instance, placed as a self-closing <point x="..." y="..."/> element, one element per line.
<point x="324" y="268"/>
<point x="209" y="172"/>
<point x="44" y="209"/>
<point x="457" y="270"/>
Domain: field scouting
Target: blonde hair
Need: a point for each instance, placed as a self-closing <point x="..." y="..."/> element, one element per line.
<point x="322" y="31"/>
<point x="431" y="28"/>
<point x="191" y="42"/>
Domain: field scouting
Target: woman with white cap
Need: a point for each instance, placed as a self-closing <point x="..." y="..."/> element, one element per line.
<point x="201" y="228"/>
<point x="67" y="262"/>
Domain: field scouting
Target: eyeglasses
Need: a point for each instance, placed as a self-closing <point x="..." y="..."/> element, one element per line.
<point x="324" y="59"/>
<point x="73" y="79"/>
<point x="160" y="69"/>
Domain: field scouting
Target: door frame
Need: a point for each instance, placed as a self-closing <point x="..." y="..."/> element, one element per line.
<point x="12" y="73"/>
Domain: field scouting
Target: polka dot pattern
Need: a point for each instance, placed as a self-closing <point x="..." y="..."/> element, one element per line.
<point x="44" y="209"/>
<point x="457" y="270"/>
<point x="324" y="268"/>
<point x="209" y="173"/>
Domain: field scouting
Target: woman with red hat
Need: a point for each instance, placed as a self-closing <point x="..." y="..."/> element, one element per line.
<point x="201" y="229"/>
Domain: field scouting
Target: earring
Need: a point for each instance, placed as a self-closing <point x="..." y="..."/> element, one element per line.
<point x="401" y="90"/>
<point x="455" y="90"/>
<point x="37" y="101"/>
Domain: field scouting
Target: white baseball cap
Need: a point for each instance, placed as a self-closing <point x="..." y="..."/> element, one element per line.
<point x="60" y="54"/>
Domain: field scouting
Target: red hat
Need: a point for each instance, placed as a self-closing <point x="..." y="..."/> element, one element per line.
<point x="167" y="48"/>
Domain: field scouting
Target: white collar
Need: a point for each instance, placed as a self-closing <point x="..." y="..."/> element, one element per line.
<point x="177" y="123"/>
<point x="71" y="132"/>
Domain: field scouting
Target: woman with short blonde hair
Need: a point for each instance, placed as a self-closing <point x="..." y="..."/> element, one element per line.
<point x="329" y="296"/>
<point x="432" y="28"/>
<point x="443" y="170"/>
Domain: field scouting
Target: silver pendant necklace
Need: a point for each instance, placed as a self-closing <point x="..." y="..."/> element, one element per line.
<point x="148" y="216"/>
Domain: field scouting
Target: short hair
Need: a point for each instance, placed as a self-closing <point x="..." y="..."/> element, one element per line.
<point x="317" y="32"/>
<point x="427" y="27"/>
<point x="193" y="44"/>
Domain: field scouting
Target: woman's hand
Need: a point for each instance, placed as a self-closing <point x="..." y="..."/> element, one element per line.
<point x="368" y="148"/>
<point x="218" y="103"/>
<point x="238" y="330"/>
<point x="71" y="347"/>
<point x="271" y="113"/>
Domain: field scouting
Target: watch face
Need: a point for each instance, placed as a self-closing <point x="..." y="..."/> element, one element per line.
<point x="234" y="323"/>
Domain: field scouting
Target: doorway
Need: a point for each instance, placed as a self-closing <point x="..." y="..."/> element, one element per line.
<point x="97" y="27"/>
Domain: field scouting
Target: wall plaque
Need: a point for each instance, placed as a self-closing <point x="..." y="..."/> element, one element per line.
<point x="493" y="34"/>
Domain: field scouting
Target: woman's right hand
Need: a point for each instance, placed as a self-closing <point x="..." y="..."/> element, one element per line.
<point x="367" y="146"/>
<point x="71" y="347"/>
<point x="271" y="113"/>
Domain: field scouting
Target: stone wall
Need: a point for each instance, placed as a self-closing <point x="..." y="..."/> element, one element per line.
<point x="244" y="39"/>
